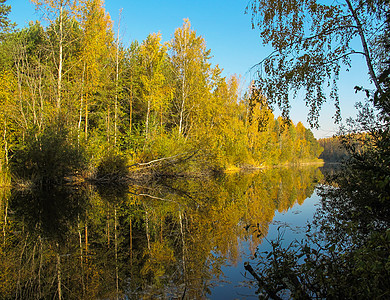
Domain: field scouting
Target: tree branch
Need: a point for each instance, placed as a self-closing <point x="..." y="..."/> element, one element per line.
<point x="365" y="47"/>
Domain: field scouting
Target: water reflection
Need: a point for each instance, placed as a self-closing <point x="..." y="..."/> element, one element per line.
<point x="49" y="212"/>
<point x="167" y="240"/>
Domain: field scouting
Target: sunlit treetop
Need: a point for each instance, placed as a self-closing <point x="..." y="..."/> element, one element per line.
<point x="5" y="23"/>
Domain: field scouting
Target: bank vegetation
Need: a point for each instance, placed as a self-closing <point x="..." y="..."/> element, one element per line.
<point x="77" y="102"/>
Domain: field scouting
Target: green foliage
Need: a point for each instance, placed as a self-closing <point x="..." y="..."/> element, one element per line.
<point x="165" y="145"/>
<point x="47" y="157"/>
<point x="5" y="23"/>
<point x="314" y="269"/>
<point x="113" y="165"/>
<point x="313" y="41"/>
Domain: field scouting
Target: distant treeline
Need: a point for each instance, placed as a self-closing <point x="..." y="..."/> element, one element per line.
<point x="147" y="100"/>
<point x="334" y="151"/>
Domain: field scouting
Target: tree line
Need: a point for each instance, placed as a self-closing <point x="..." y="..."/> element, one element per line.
<point x="147" y="100"/>
<point x="334" y="150"/>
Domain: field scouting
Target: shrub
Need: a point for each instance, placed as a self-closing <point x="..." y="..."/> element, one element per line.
<point x="112" y="166"/>
<point x="47" y="157"/>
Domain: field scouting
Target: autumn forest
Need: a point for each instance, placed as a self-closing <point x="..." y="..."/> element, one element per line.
<point x="149" y="100"/>
<point x="138" y="169"/>
<point x="133" y="169"/>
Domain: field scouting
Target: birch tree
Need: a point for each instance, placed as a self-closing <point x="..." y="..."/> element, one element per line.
<point x="152" y="56"/>
<point x="57" y="12"/>
<point x="96" y="47"/>
<point x="313" y="42"/>
<point x="190" y="65"/>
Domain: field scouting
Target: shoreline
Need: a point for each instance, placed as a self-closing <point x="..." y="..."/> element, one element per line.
<point x="235" y="169"/>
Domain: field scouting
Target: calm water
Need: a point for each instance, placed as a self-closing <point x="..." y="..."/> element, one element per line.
<point x="167" y="240"/>
<point x="291" y="224"/>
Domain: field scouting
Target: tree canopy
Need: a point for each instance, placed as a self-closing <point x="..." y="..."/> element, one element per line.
<point x="153" y="99"/>
<point x="5" y="23"/>
<point x="313" y="41"/>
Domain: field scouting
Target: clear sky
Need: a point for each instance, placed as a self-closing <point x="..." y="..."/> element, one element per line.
<point x="235" y="46"/>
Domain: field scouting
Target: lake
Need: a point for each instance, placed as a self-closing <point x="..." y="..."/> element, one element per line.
<point x="174" y="239"/>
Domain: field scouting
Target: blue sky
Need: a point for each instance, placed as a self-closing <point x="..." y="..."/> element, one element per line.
<point x="228" y="33"/>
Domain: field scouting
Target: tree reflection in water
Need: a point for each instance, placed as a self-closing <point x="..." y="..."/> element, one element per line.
<point x="166" y="240"/>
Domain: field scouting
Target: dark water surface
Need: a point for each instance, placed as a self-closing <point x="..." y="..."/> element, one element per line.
<point x="177" y="239"/>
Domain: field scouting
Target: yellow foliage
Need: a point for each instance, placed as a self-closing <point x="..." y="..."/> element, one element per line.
<point x="97" y="42"/>
<point x="7" y="87"/>
<point x="159" y="258"/>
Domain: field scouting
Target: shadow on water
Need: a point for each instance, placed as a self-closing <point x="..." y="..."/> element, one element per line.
<point x="50" y="211"/>
<point x="165" y="240"/>
<point x="331" y="169"/>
